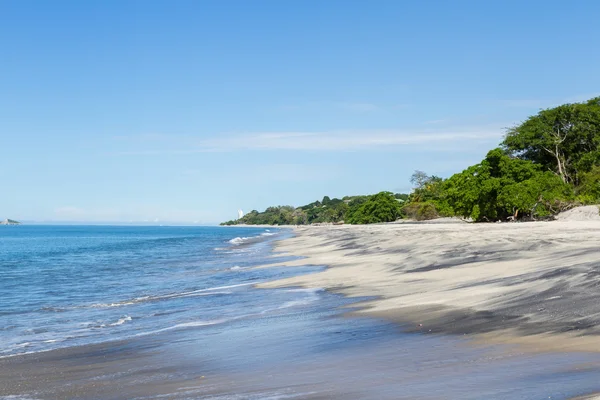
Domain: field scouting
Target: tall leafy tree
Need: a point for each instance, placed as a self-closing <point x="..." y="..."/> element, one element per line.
<point x="501" y="186"/>
<point x="382" y="207"/>
<point x="563" y="139"/>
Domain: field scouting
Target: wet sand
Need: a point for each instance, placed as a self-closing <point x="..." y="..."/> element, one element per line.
<point x="535" y="284"/>
<point x="355" y="360"/>
<point x="124" y="369"/>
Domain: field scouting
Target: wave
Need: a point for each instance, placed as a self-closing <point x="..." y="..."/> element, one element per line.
<point x="183" y="325"/>
<point x="87" y="329"/>
<point x="272" y="395"/>
<point x="53" y="309"/>
<point x="121" y="321"/>
<point x="19" y="347"/>
<point x="83" y="329"/>
<point x="295" y="303"/>
<point x="238" y="240"/>
<point x="311" y="298"/>
<point x="238" y="268"/>
<point x="313" y="295"/>
<point x="218" y="290"/>
<point x="251" y="239"/>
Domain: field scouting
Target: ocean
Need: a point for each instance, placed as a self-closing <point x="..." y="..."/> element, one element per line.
<point x="66" y="286"/>
<point x="120" y="312"/>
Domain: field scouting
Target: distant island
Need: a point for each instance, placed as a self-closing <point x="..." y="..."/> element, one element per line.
<point x="9" y="222"/>
<point x="548" y="164"/>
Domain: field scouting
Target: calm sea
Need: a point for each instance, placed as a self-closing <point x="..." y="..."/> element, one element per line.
<point x="64" y="286"/>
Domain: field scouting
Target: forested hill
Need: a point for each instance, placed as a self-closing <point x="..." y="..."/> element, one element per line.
<point x="545" y="165"/>
<point x="349" y="209"/>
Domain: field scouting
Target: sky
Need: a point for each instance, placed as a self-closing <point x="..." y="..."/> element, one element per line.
<point x="185" y="111"/>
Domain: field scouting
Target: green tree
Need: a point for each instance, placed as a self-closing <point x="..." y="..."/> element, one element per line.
<point x="428" y="200"/>
<point x="588" y="190"/>
<point x="563" y="139"/>
<point x="401" y="196"/>
<point x="501" y="185"/>
<point x="382" y="207"/>
<point x="421" y="211"/>
<point x="542" y="195"/>
<point x="299" y="217"/>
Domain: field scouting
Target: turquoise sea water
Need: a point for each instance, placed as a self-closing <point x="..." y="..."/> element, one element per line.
<point x="71" y="285"/>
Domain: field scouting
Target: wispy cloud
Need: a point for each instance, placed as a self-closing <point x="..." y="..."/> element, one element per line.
<point x="330" y="141"/>
<point x="346" y="106"/>
<point x="276" y="172"/>
<point x="358" y="107"/>
<point x="287" y="107"/>
<point x="340" y="141"/>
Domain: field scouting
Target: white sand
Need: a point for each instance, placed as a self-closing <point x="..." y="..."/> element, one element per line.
<point x="585" y="213"/>
<point x="534" y="283"/>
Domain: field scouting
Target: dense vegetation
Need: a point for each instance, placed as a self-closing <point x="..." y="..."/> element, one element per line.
<point x="547" y="164"/>
<point x="501" y="186"/>
<point x="381" y="207"/>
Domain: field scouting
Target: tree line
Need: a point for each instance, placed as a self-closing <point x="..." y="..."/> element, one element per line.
<point x="545" y="165"/>
<point x="365" y="209"/>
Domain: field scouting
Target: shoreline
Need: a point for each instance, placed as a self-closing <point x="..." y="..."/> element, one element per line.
<point x="532" y="284"/>
<point x="308" y="351"/>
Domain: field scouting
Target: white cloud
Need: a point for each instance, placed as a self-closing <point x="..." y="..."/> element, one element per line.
<point x="350" y="106"/>
<point x="329" y="141"/>
<point x="268" y="173"/>
<point x="358" y="107"/>
<point x="346" y="140"/>
<point x="289" y="108"/>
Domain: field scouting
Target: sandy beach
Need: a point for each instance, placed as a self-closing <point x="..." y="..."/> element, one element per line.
<point x="448" y="298"/>
<point x="534" y="284"/>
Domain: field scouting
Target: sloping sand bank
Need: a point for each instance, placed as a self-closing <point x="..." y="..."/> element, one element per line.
<point x="534" y="283"/>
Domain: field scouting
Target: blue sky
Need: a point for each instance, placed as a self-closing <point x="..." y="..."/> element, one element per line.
<point x="186" y="111"/>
